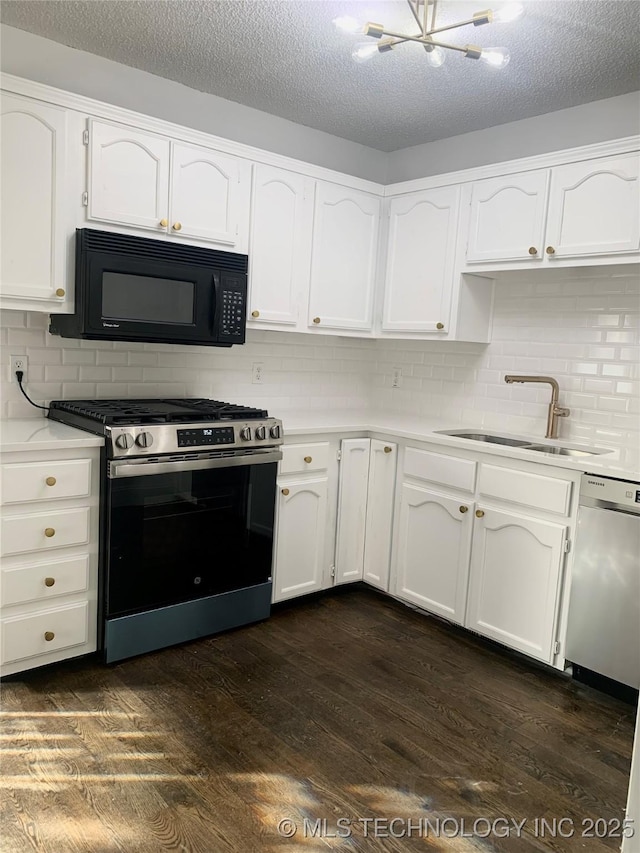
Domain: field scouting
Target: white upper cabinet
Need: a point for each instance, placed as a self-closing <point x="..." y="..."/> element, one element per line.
<point x="594" y="208"/>
<point x="142" y="180"/>
<point x="420" y="260"/>
<point x="580" y="210"/>
<point x="279" y="245"/>
<point x="208" y="198"/>
<point x="343" y="261"/>
<point x="128" y="176"/>
<point x="34" y="224"/>
<point x="507" y="217"/>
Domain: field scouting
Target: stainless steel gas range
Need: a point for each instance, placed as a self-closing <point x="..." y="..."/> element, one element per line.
<point x="187" y="514"/>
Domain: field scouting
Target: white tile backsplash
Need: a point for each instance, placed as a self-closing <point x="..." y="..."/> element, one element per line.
<point x="584" y="332"/>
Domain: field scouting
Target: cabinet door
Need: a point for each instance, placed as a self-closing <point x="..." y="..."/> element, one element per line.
<point x="516" y="567"/>
<point x="301" y="537"/>
<point x="432" y="554"/>
<point x="594" y="208"/>
<point x="209" y="195"/>
<point x="352" y="509"/>
<point x="343" y="258"/>
<point x="380" y="500"/>
<point x="280" y="244"/>
<point x="33" y="222"/>
<point x="507" y="217"/>
<point x="419" y="281"/>
<point x="128" y="176"/>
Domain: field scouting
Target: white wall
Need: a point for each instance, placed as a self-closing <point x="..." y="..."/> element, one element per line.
<point x="36" y="58"/>
<point x="585" y="332"/>
<point x="599" y="121"/>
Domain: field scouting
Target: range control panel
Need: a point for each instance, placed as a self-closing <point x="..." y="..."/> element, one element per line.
<point x="161" y="439"/>
<point x="205" y="436"/>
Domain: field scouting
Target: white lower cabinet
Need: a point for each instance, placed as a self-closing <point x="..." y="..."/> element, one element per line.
<point x="434" y="544"/>
<point x="48" y="580"/>
<point x="301" y="536"/>
<point x="365" y="511"/>
<point x="496" y="569"/>
<point x="516" y="569"/>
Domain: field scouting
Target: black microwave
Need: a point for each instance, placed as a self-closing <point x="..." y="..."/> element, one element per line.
<point x="155" y="291"/>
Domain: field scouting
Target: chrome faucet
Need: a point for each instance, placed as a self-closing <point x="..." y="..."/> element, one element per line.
<point x="555" y="411"/>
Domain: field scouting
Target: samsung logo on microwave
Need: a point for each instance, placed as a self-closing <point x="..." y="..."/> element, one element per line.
<point x="596" y="483"/>
<point x="111" y="325"/>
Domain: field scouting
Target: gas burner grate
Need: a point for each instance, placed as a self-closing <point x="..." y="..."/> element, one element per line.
<point x="148" y="411"/>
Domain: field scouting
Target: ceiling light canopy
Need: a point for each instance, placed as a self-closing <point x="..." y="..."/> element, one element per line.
<point x="424" y="11"/>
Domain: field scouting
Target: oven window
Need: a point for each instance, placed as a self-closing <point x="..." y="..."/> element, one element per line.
<point x="147" y="299"/>
<point x="186" y="535"/>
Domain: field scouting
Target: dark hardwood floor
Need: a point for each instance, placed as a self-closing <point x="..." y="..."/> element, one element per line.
<point x="348" y="706"/>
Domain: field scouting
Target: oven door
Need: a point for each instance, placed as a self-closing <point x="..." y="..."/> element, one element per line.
<point x="183" y="530"/>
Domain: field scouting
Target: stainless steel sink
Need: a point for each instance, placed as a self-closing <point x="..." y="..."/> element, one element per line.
<point x="563" y="451"/>
<point x="490" y="439"/>
<point x="552" y="449"/>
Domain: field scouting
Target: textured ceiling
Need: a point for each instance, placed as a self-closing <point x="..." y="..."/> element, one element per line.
<point x="287" y="59"/>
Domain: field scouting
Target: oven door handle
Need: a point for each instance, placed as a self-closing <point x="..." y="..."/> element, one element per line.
<point x="147" y="467"/>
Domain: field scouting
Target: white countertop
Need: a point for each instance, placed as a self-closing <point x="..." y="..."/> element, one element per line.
<point x="43" y="434"/>
<point x="414" y="428"/>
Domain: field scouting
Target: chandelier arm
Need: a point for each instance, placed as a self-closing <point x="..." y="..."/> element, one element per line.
<point x="414" y="6"/>
<point x="425" y="17"/>
<point x="452" y="26"/>
<point x="433" y="16"/>
<point x="425" y="40"/>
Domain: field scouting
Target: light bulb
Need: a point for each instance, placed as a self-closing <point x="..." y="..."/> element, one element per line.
<point x="364" y="51"/>
<point x="496" y="57"/>
<point x="508" y="13"/>
<point x="436" y="56"/>
<point x="347" y="24"/>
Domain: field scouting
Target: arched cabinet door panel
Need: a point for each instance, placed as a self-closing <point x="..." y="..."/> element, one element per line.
<point x="507" y="218"/>
<point x="279" y="245"/>
<point x="432" y="554"/>
<point x="128" y="176"/>
<point x="343" y="259"/>
<point x="301" y="536"/>
<point x="516" y="569"/>
<point x="594" y="208"/>
<point x="420" y="258"/>
<point x="33" y="225"/>
<point x="209" y="195"/>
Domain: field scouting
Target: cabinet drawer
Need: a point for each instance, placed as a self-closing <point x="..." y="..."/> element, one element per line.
<point x="45" y="530"/>
<point x="438" y="468"/>
<point x="533" y="490"/>
<point x="39" y="481"/>
<point x="40" y="581"/>
<point x="26" y="636"/>
<point x="300" y="458"/>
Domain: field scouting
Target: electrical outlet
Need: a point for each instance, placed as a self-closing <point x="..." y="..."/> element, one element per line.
<point x="258" y="373"/>
<point x="396" y="379"/>
<point x="19" y="362"/>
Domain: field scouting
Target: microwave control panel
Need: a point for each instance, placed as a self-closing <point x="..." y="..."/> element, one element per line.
<point x="232" y="310"/>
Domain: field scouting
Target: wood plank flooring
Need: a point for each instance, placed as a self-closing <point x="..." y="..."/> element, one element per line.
<point x="348" y="706"/>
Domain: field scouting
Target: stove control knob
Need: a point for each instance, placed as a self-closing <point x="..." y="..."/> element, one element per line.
<point x="261" y="433"/>
<point x="274" y="432"/>
<point x="124" y="441"/>
<point x="145" y="439"/>
<point x="245" y="433"/>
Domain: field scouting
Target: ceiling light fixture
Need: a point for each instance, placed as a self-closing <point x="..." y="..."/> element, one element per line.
<point x="424" y="11"/>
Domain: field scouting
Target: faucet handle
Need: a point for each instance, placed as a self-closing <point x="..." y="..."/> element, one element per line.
<point x="561" y="412"/>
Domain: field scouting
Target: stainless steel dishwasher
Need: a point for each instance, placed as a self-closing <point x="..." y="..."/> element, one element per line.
<point x="603" y="630"/>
